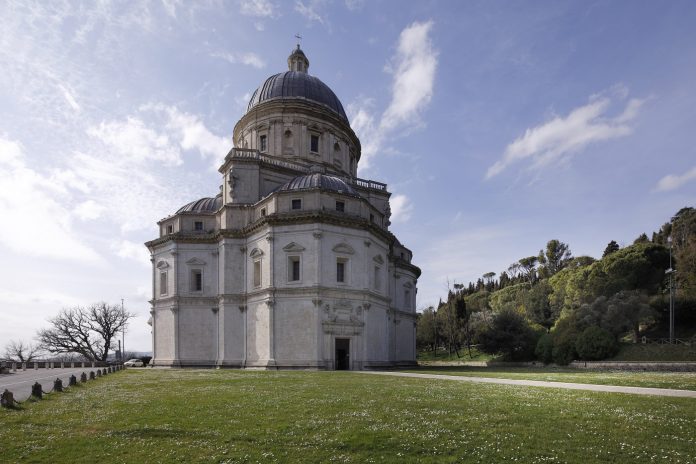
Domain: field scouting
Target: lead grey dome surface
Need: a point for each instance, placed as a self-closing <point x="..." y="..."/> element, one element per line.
<point x="318" y="180"/>
<point x="204" y="205"/>
<point x="293" y="84"/>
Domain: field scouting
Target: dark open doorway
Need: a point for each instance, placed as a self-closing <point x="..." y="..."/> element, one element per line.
<point x="342" y="354"/>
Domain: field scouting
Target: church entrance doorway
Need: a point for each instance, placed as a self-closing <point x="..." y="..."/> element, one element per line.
<point x="342" y="354"/>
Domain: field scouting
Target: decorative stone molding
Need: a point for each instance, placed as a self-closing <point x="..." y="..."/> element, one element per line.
<point x="293" y="247"/>
<point x="269" y="238"/>
<point x="367" y="306"/>
<point x="368" y="243"/>
<point x="195" y="262"/>
<point x="174" y="309"/>
<point x="243" y="249"/>
<point x="270" y="302"/>
<point x="316" y="235"/>
<point x="162" y="265"/>
<point x="242" y="308"/>
<point x="378" y="259"/>
<point x="343" y="248"/>
<point x="316" y="302"/>
<point x="255" y="253"/>
<point x="408" y="285"/>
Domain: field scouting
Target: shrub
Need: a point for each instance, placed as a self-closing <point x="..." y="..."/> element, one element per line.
<point x="544" y="349"/>
<point x="564" y="337"/>
<point x="510" y="336"/>
<point x="595" y="343"/>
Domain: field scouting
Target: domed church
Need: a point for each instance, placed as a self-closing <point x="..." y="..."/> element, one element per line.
<point x="291" y="264"/>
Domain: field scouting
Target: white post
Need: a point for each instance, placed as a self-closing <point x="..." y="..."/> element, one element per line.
<point x="14" y="367"/>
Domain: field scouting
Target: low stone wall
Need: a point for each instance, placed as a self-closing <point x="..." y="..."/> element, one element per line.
<point x="675" y="366"/>
<point x="636" y="366"/>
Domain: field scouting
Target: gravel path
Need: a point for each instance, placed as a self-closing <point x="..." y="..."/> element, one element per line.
<point x="540" y="383"/>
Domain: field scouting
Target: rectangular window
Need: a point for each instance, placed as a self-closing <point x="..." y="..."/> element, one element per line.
<point x="170" y="229"/>
<point x="262" y="143"/>
<point x="196" y="280"/>
<point x="163" y="283"/>
<point x="294" y="268"/>
<point x="378" y="282"/>
<point x="314" y="144"/>
<point x="263" y="211"/>
<point x="340" y="206"/>
<point x="407" y="299"/>
<point x="257" y="273"/>
<point x="198" y="225"/>
<point x="341" y="270"/>
<point x="297" y="204"/>
<point x="372" y="218"/>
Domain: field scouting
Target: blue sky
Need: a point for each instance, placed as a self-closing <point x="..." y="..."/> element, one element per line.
<point x="497" y="126"/>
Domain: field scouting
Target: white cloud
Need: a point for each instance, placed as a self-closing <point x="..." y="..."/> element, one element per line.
<point x="132" y="139"/>
<point x="69" y="98"/>
<point x="401" y="208"/>
<point x="674" y="181"/>
<point x="258" y="8"/>
<point x="170" y="6"/>
<point x="414" y="69"/>
<point x="354" y="5"/>
<point x="88" y="210"/>
<point x="564" y="136"/>
<point x="131" y="250"/>
<point x="312" y="10"/>
<point x="192" y="134"/>
<point x="249" y="59"/>
<point x="34" y="222"/>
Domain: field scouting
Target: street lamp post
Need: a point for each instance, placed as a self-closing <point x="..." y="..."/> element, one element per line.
<point x="670" y="273"/>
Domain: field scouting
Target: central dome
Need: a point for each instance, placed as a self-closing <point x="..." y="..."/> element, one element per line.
<point x="296" y="83"/>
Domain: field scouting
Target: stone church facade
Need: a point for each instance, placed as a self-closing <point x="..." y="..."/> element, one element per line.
<point x="292" y="264"/>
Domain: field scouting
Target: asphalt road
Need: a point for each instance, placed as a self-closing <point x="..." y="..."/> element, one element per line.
<point x="20" y="382"/>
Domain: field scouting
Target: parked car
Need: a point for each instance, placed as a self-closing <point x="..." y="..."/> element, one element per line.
<point x="133" y="363"/>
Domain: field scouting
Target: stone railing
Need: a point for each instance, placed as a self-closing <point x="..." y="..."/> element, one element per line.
<point x="248" y="153"/>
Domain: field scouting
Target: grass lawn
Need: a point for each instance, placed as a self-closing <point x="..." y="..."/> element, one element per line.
<point x="443" y="355"/>
<point x="678" y="380"/>
<point x="150" y="416"/>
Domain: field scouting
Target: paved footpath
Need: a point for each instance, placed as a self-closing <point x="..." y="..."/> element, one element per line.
<point x="540" y="383"/>
<point x="20" y="382"/>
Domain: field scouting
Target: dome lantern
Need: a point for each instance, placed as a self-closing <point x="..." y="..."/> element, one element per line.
<point x="297" y="61"/>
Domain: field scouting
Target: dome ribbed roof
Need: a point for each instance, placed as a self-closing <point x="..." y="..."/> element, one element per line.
<point x="318" y="180"/>
<point x="204" y="205"/>
<point x="295" y="84"/>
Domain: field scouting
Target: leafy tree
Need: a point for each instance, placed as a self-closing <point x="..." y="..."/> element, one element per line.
<point x="564" y="338"/>
<point x="554" y="259"/>
<point x="611" y="248"/>
<point x="509" y="335"/>
<point x="626" y="311"/>
<point x="18" y="351"/>
<point x="509" y="298"/>
<point x="642" y="238"/>
<point x="538" y="306"/>
<point x="684" y="242"/>
<point x="528" y="267"/>
<point x="595" y="343"/>
<point x="427" y="329"/>
<point x="87" y="331"/>
<point x="544" y="349"/>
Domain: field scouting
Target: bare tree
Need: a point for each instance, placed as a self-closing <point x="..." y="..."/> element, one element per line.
<point x="18" y="351"/>
<point x="89" y="331"/>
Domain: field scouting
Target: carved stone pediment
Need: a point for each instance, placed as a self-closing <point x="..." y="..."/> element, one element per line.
<point x="195" y="262"/>
<point x="378" y="259"/>
<point x="255" y="253"/>
<point x="343" y="248"/>
<point x="293" y="247"/>
<point x="162" y="265"/>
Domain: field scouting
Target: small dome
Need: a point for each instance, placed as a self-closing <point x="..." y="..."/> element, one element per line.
<point x="204" y="205"/>
<point x="320" y="181"/>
